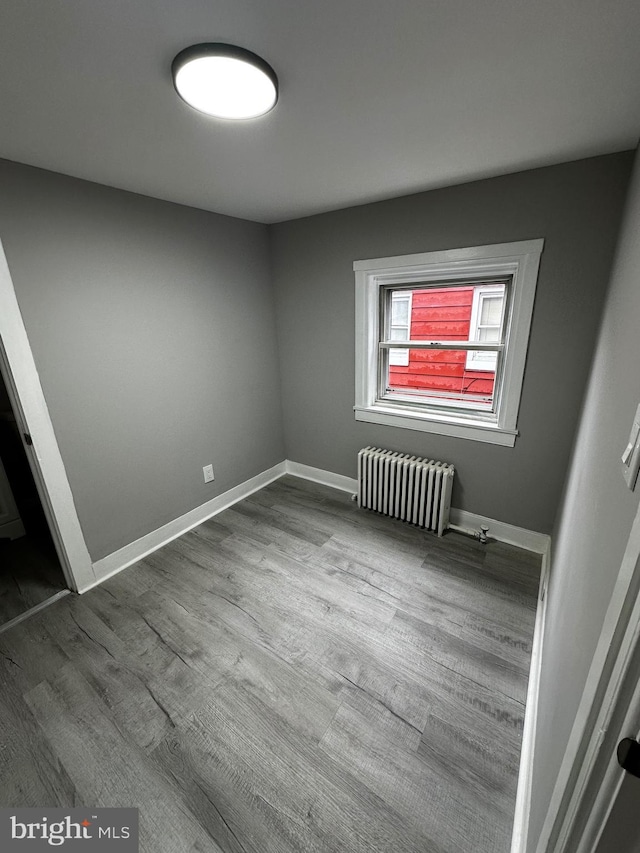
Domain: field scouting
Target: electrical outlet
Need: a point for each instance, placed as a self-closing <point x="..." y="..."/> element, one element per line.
<point x="208" y="473"/>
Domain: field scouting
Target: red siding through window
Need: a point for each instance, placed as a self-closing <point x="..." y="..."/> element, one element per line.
<point x="442" y="314"/>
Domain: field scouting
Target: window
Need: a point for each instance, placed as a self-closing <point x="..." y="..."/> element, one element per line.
<point x="440" y="371"/>
<point x="400" y="326"/>
<point x="487" y="313"/>
<point x="442" y="339"/>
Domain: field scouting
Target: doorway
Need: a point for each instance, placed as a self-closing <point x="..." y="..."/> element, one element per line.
<point x="30" y="571"/>
<point x="33" y="424"/>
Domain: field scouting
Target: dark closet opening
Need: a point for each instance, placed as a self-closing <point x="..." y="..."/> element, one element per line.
<point x="30" y="570"/>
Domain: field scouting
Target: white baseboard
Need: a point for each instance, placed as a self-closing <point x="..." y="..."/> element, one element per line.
<point x="318" y="475"/>
<point x="530" y="540"/>
<point x="119" y="560"/>
<point x="134" y="551"/>
<point x="523" y="797"/>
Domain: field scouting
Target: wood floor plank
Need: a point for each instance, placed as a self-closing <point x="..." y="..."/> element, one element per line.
<point x="106" y="664"/>
<point x="388" y="726"/>
<point x="423" y="643"/>
<point x="278" y="581"/>
<point x="338" y="514"/>
<point x="313" y="804"/>
<point x="344" y="650"/>
<point x="447" y="574"/>
<point x="472" y="758"/>
<point x="306" y="707"/>
<point x="425" y="794"/>
<point x="276" y="627"/>
<point x="108" y="769"/>
<point x="30" y="771"/>
<point x="294" y="676"/>
<point x="501" y="627"/>
<point x="27" y="655"/>
<point x="406" y="684"/>
<point x="282" y="522"/>
<point x="502" y="582"/>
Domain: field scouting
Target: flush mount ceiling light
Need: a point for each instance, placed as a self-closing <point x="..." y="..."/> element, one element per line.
<point x="225" y="81"/>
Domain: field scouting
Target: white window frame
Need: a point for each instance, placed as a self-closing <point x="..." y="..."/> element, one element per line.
<point x="520" y="262"/>
<point x="476" y="359"/>
<point x="400" y="357"/>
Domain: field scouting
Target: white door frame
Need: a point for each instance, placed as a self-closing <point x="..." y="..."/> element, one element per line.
<point x="30" y="408"/>
<point x="589" y="777"/>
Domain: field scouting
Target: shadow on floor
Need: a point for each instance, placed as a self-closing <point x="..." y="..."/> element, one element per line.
<point x="30" y="570"/>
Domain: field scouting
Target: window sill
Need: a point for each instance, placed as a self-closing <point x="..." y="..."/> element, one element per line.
<point x="472" y="430"/>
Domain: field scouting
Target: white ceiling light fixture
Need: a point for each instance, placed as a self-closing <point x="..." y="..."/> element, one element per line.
<point x="225" y="81"/>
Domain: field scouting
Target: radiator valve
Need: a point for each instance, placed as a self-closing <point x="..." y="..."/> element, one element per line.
<point x="481" y="534"/>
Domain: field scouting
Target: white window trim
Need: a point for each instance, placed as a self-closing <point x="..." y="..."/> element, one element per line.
<point x="519" y="260"/>
<point x="479" y="293"/>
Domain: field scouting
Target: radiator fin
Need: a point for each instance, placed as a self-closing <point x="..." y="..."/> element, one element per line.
<point x="407" y="487"/>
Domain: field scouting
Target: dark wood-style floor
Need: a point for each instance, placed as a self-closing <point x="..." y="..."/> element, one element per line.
<point x="30" y="571"/>
<point x="294" y="675"/>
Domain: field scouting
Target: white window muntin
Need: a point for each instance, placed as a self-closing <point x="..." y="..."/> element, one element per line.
<point x="519" y="261"/>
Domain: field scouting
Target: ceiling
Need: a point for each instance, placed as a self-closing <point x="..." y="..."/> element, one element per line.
<point x="378" y="98"/>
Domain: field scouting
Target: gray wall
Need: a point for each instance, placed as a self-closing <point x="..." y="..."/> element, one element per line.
<point x="595" y="517"/>
<point x="153" y="330"/>
<point x="575" y="207"/>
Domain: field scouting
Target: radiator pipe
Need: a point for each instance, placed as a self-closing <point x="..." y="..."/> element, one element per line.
<point x="480" y="535"/>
